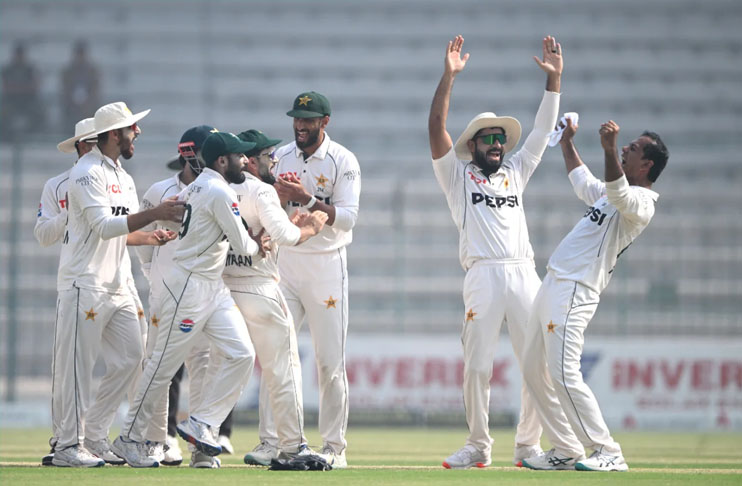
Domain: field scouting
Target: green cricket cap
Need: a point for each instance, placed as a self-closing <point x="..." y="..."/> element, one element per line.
<point x="310" y="105"/>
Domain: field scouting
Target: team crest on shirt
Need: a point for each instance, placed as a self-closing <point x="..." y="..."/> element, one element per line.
<point x="322" y="181"/>
<point x="186" y="325"/>
<point x="236" y="209"/>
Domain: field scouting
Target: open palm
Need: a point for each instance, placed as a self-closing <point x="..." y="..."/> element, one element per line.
<point x="454" y="62"/>
<point x="552" y="56"/>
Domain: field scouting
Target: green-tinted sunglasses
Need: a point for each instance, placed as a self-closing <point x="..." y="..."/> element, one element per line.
<point x="490" y="138"/>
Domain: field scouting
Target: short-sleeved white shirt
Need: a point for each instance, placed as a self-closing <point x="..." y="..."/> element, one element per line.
<point x="332" y="175"/>
<point x="618" y="213"/>
<point x="100" y="196"/>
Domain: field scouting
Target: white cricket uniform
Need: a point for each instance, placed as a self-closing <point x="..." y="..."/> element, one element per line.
<point x="253" y="281"/>
<point x="155" y="263"/>
<point x="578" y="271"/>
<point x="196" y="305"/>
<point x="314" y="278"/>
<point x="96" y="311"/>
<point x="501" y="281"/>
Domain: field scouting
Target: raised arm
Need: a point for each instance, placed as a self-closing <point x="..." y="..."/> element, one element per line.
<point x="454" y="62"/>
<point x="608" y="135"/>
<point x="572" y="159"/>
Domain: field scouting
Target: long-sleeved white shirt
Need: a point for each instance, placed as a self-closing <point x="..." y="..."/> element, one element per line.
<point x="100" y="196"/>
<point x="261" y="209"/>
<point x="488" y="211"/>
<point x="332" y="175"/>
<point x="211" y="224"/>
<point x="52" y="216"/>
<point x="618" y="213"/>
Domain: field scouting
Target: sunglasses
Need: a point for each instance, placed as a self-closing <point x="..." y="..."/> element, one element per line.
<point x="490" y="138"/>
<point x="270" y="155"/>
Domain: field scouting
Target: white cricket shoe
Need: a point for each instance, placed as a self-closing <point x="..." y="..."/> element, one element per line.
<point x="173" y="454"/>
<point x="135" y="453"/>
<point x="262" y="455"/>
<point x="47" y="459"/>
<point x="156" y="450"/>
<point x="102" y="449"/>
<point x="302" y="450"/>
<point x="76" y="456"/>
<point x="551" y="461"/>
<point x="200" y="460"/>
<point x="334" y="459"/>
<point x="524" y="452"/>
<point x="199" y="434"/>
<point x="603" y="462"/>
<point x="226" y="444"/>
<point x="466" y="457"/>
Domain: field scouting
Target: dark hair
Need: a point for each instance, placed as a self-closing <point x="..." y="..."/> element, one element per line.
<point x="103" y="137"/>
<point x="657" y="153"/>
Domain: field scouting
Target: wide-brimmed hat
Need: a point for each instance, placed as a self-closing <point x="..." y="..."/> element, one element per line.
<point x="310" y="105"/>
<point x="510" y="125"/>
<point x="260" y="140"/>
<point x="223" y="143"/>
<point x="194" y="139"/>
<point x="116" y="115"/>
<point x="84" y="130"/>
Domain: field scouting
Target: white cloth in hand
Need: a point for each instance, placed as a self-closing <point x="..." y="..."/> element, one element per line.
<point x="556" y="135"/>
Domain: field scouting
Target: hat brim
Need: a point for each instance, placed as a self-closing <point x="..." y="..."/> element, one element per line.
<point x="304" y="114"/>
<point x="68" y="146"/>
<point x="127" y="122"/>
<point x="510" y="125"/>
<point x="175" y="164"/>
<point x="271" y="142"/>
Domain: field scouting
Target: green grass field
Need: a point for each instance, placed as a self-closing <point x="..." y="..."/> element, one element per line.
<point x="400" y="456"/>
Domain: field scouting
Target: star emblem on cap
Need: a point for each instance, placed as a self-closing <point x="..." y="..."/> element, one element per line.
<point x="322" y="180"/>
<point x="155" y="321"/>
<point x="470" y="315"/>
<point x="331" y="302"/>
<point x="550" y="327"/>
<point x="304" y="100"/>
<point x="90" y="315"/>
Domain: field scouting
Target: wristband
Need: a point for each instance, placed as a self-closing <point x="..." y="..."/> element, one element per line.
<point x="311" y="203"/>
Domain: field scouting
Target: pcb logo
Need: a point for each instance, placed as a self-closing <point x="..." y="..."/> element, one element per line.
<point x="236" y="209"/>
<point x="186" y="325"/>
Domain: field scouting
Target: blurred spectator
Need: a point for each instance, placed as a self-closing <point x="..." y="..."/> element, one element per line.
<point x="80" y="86"/>
<point x="21" y="109"/>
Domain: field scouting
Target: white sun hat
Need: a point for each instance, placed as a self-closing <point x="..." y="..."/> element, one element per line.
<point x="84" y="130"/>
<point x="116" y="115"/>
<point x="488" y="120"/>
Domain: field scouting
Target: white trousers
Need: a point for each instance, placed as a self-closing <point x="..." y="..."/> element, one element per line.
<point x="561" y="313"/>
<point x="315" y="286"/>
<point x="196" y="362"/>
<point x="496" y="292"/>
<point x="272" y="331"/>
<point x="193" y="310"/>
<point x="91" y="323"/>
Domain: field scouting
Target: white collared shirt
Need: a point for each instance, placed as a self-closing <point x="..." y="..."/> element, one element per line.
<point x="618" y="213"/>
<point x="211" y="224"/>
<point x="52" y="216"/>
<point x="488" y="211"/>
<point x="332" y="175"/>
<point x="100" y="196"/>
<point x="261" y="209"/>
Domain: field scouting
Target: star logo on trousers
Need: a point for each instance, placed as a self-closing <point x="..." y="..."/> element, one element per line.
<point x="550" y="327"/>
<point x="331" y="302"/>
<point x="155" y="321"/>
<point x="140" y="313"/>
<point x="90" y="315"/>
<point x="470" y="315"/>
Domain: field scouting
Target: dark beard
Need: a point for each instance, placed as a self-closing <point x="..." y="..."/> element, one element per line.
<point x="480" y="160"/>
<point x="126" y="152"/>
<point x="234" y="175"/>
<point x="312" y="137"/>
<point x="268" y="178"/>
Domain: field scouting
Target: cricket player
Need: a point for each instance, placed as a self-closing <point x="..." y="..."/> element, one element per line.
<point x="96" y="311"/>
<point x="253" y="282"/>
<point x="156" y="261"/>
<point x="197" y="306"/>
<point x="315" y="173"/>
<point x="579" y="269"/>
<point x="485" y="195"/>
